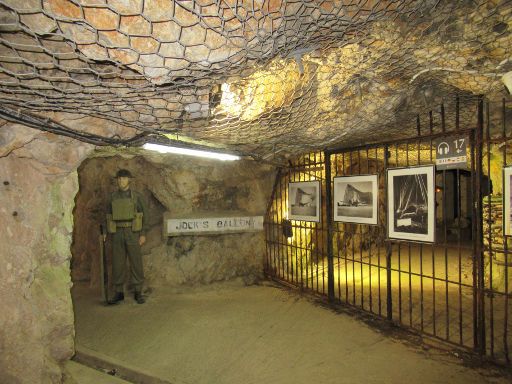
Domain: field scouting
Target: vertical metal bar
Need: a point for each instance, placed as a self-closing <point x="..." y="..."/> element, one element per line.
<point x="353" y="252"/>
<point x="269" y="230"/>
<point x="303" y="176"/>
<point x="345" y="242"/>
<point x="445" y="232"/>
<point x="318" y="232"/>
<point x="459" y="210"/>
<point x="360" y="230"/>
<point x="389" y="300"/>
<point x="505" y="243"/>
<point x="473" y="237"/>
<point x="389" y="304"/>
<point x="271" y="224"/>
<point x="289" y="260"/>
<point x="338" y="242"/>
<point x="409" y="253"/>
<point x="478" y="219"/>
<point x="445" y="246"/>
<point x="410" y="287"/>
<point x="431" y="128"/>
<point x="328" y="203"/>
<point x="295" y="246"/>
<point x="489" y="229"/>
<point x="276" y="217"/>
<point x="284" y="250"/>
<point x="303" y="251"/>
<point x="309" y="257"/>
<point x="320" y="226"/>
<point x="326" y="236"/>
<point x="378" y="245"/>
<point x="369" y="244"/>
<point x="418" y="128"/>
<point x="399" y="245"/>
<point x="422" y="325"/>
<point x="313" y="233"/>
<point x="443" y="122"/>
<point x="457" y="113"/>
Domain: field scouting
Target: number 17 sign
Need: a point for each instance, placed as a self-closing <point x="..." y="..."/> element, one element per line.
<point x="451" y="152"/>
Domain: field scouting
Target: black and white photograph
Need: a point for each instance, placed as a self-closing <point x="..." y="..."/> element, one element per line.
<point x="507" y="203"/>
<point x="411" y="203"/>
<point x="355" y="199"/>
<point x="304" y="201"/>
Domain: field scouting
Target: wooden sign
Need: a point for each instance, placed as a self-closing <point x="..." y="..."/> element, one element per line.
<point x="212" y="225"/>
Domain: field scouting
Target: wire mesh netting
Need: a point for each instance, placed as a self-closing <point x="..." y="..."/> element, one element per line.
<point x="271" y="78"/>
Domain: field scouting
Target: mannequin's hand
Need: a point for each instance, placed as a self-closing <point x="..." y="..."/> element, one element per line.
<point x="142" y="240"/>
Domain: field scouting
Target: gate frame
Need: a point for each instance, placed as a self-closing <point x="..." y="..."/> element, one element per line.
<point x="476" y="148"/>
<point x="478" y="139"/>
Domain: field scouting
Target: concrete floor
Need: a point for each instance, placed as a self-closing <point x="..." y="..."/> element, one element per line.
<point x="80" y="374"/>
<point x="229" y="333"/>
<point x="432" y="290"/>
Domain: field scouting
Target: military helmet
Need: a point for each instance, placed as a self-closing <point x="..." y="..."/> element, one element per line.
<point x="124" y="173"/>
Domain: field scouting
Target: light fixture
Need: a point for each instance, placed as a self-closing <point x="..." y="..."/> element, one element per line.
<point x="189" y="152"/>
<point x="507" y="81"/>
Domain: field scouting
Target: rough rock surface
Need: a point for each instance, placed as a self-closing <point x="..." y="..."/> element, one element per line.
<point x="183" y="186"/>
<point x="271" y="78"/>
<point x="38" y="187"/>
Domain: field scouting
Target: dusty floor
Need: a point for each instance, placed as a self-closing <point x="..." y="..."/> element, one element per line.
<point x="229" y="333"/>
<point x="431" y="288"/>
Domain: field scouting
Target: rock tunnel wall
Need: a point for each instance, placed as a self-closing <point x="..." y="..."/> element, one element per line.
<point x="38" y="186"/>
<point x="184" y="187"/>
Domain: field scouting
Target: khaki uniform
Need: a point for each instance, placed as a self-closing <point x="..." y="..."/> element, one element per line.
<point x="122" y="206"/>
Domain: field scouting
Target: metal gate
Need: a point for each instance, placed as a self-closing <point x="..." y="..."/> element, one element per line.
<point x="455" y="289"/>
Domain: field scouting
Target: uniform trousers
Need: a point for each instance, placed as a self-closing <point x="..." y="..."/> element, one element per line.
<point x="125" y="243"/>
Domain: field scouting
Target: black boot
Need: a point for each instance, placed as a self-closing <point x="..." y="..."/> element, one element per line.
<point x="119" y="296"/>
<point x="139" y="298"/>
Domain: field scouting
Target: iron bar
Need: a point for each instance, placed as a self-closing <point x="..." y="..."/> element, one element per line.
<point x="505" y="242"/>
<point x="328" y="197"/>
<point x="479" y="234"/>
<point x="459" y="283"/>
<point x="431" y="130"/>
<point x="489" y="223"/>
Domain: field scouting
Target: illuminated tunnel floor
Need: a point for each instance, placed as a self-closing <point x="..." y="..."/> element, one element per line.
<point x="230" y="333"/>
<point x="431" y="291"/>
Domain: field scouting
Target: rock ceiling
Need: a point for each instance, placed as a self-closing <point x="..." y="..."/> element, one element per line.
<point x="268" y="78"/>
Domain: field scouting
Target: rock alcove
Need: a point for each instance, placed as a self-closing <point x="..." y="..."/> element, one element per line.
<point x="183" y="188"/>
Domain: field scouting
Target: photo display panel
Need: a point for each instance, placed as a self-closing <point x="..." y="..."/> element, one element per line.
<point x="356" y="199"/>
<point x="411" y="203"/>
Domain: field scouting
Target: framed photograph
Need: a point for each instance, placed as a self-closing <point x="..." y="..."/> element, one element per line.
<point x="355" y="199"/>
<point x="507" y="204"/>
<point x="304" y="201"/>
<point x="411" y="203"/>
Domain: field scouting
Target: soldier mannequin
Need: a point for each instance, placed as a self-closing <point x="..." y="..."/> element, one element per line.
<point x="124" y="210"/>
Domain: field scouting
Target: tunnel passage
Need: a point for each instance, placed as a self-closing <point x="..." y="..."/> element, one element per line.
<point x="181" y="188"/>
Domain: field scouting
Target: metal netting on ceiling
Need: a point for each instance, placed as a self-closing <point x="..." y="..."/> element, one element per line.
<point x="270" y="78"/>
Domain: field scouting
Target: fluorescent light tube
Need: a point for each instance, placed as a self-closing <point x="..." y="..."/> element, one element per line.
<point x="189" y="152"/>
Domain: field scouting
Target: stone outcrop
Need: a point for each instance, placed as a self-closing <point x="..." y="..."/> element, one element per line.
<point x="38" y="186"/>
